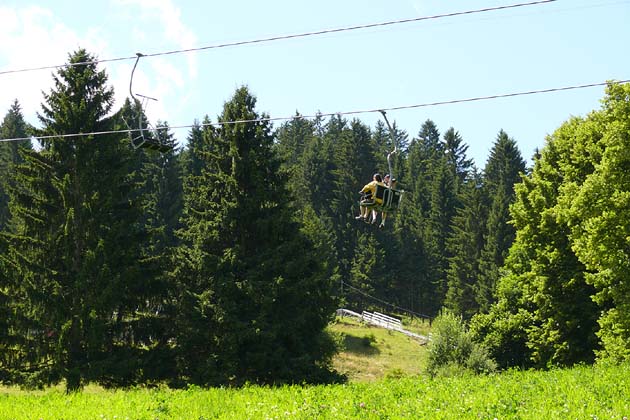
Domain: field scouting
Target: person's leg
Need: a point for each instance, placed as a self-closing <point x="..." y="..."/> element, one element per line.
<point x="383" y="217"/>
<point x="362" y="212"/>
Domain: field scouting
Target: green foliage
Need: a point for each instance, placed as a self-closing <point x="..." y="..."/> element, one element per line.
<point x="126" y="267"/>
<point x="254" y="298"/>
<point x="502" y="172"/>
<point x="73" y="250"/>
<point x="503" y="330"/>
<point x="598" y="213"/>
<point x="582" y="392"/>
<point x="13" y="126"/>
<point x="465" y="244"/>
<point x="452" y="349"/>
<point x="563" y="287"/>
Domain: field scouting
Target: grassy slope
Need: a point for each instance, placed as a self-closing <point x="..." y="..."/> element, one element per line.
<point x="371" y="353"/>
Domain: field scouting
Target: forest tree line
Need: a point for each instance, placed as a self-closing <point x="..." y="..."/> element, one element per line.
<point x="223" y="261"/>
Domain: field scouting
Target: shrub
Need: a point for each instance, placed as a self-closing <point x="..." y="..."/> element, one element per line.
<point x="453" y="350"/>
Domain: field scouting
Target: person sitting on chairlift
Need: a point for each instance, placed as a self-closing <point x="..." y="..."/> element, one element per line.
<point x="372" y="217"/>
<point x="369" y="199"/>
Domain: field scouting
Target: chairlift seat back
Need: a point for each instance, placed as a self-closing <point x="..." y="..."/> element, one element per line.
<point x="391" y="198"/>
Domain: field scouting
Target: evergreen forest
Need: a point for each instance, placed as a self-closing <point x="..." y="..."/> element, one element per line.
<point x="222" y="261"/>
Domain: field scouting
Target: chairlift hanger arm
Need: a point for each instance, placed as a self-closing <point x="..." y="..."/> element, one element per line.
<point x="142" y="140"/>
<point x="391" y="131"/>
<point x="138" y="55"/>
<point x="391" y="135"/>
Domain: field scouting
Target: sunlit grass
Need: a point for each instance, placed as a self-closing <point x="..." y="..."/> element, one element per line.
<point x="580" y="393"/>
<point x="386" y="382"/>
<point x="371" y="353"/>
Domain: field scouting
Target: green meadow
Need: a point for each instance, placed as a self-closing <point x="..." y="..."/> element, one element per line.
<point x="599" y="392"/>
<point x="385" y="381"/>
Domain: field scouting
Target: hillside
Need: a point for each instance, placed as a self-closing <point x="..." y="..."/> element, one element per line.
<point x="371" y="353"/>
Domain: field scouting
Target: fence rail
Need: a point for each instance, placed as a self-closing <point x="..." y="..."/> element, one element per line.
<point x="384" y="321"/>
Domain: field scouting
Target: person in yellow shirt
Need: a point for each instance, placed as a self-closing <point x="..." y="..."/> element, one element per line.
<point x="369" y="198"/>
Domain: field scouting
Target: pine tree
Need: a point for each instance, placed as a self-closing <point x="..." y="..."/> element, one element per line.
<point x="465" y="245"/>
<point x="191" y="161"/>
<point x="293" y="137"/>
<point x="366" y="271"/>
<point x="455" y="151"/>
<point x="443" y="206"/>
<point x="13" y="126"/>
<point x="73" y="248"/>
<point x="313" y="175"/>
<point x="503" y="170"/>
<point x="448" y="173"/>
<point x="255" y="300"/>
<point x="415" y="266"/>
<point x="354" y="165"/>
<point x="300" y="160"/>
<point x="164" y="175"/>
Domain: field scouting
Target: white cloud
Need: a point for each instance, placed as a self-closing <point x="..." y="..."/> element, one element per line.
<point x="33" y="37"/>
<point x="164" y="15"/>
<point x="36" y="36"/>
<point x="157" y="26"/>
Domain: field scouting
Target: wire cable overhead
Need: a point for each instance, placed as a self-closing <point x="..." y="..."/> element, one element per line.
<point x="285" y="37"/>
<point x="364" y="111"/>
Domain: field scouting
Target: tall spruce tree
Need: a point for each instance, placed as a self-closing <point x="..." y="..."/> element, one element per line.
<point x="299" y="160"/>
<point x="464" y="246"/>
<point x="449" y="171"/>
<point x="255" y="298"/>
<point x="502" y="172"/>
<point x="13" y="126"/>
<point x="354" y="165"/>
<point x="307" y="159"/>
<point x="292" y="139"/>
<point x="191" y="162"/>
<point x="412" y="220"/>
<point x="73" y="248"/>
<point x="164" y="176"/>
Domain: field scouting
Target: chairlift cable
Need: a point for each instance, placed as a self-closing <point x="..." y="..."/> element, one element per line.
<point x="285" y="37"/>
<point x="318" y="115"/>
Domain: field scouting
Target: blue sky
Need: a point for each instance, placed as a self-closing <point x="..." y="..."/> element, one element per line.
<point x="563" y="43"/>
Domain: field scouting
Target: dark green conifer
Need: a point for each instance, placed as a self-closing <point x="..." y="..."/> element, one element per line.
<point x="13" y="126"/>
<point x="74" y="244"/>
<point x="255" y="298"/>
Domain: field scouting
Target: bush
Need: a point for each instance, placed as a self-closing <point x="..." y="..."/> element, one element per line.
<point x="453" y="350"/>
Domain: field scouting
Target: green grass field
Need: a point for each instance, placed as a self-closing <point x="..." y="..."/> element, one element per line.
<point x="386" y="382"/>
<point x="579" y="393"/>
<point x="372" y="353"/>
